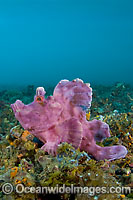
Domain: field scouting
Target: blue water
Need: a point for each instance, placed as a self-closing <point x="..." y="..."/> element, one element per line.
<point x="44" y="41"/>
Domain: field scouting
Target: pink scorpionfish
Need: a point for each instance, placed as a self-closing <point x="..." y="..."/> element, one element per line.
<point x="62" y="118"/>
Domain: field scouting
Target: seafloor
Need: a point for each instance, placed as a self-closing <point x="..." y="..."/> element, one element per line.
<point x="22" y="161"/>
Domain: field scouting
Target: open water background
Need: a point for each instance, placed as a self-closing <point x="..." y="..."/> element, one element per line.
<point x="44" y="41"/>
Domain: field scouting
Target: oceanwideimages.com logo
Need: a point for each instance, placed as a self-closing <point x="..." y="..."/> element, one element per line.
<point x="8" y="188"/>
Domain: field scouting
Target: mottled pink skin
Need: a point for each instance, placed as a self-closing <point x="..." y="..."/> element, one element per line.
<point x="62" y="118"/>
